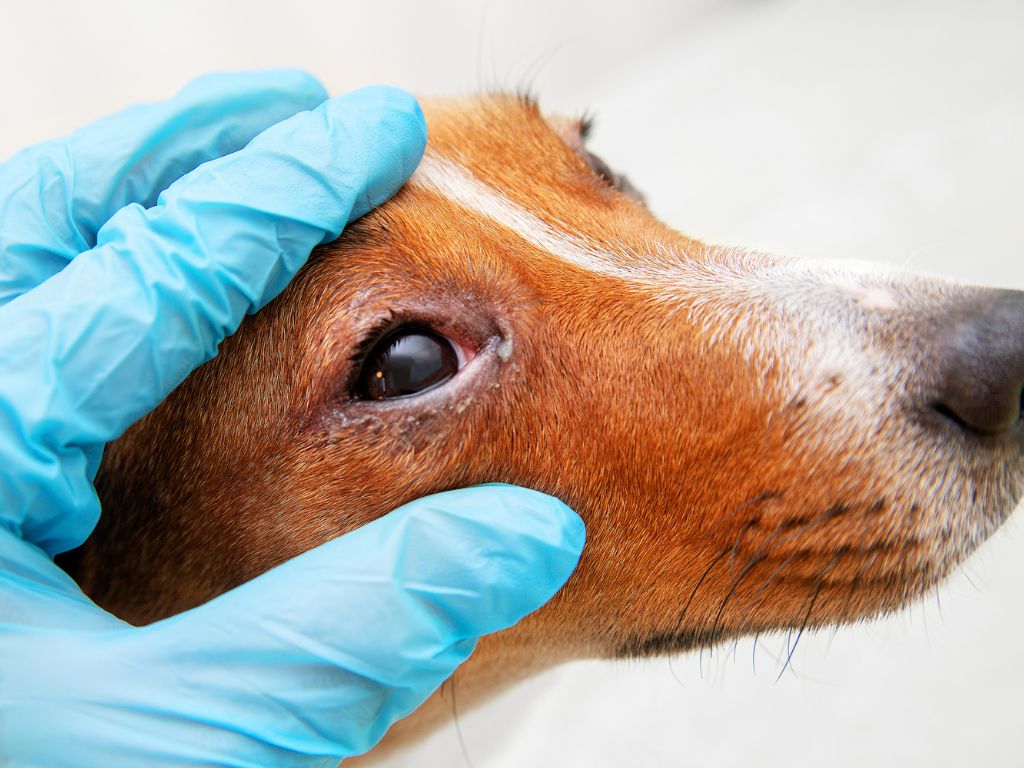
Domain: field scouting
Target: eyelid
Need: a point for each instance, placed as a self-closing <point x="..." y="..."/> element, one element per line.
<point x="464" y="354"/>
<point x="575" y="134"/>
<point x="612" y="178"/>
<point x="601" y="168"/>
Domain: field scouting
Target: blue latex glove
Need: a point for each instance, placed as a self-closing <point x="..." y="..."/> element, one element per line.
<point x="114" y="284"/>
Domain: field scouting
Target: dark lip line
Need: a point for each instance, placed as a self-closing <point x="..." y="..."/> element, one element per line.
<point x="690" y="638"/>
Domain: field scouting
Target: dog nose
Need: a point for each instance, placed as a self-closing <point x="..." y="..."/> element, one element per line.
<point x="981" y="364"/>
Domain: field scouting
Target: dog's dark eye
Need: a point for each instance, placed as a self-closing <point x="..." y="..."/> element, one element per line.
<point x="406" y="362"/>
<point x="613" y="179"/>
<point x="601" y="168"/>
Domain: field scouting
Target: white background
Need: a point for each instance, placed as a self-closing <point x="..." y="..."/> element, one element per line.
<point x="876" y="129"/>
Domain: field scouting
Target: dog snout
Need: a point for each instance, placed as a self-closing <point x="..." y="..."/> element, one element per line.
<point x="979" y="351"/>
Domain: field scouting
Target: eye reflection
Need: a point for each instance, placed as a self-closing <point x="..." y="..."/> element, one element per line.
<point x="407" y="362"/>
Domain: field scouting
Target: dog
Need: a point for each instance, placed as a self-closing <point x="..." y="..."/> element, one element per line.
<point x="755" y="443"/>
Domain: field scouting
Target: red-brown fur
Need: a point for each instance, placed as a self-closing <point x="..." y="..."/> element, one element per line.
<point x="716" y="501"/>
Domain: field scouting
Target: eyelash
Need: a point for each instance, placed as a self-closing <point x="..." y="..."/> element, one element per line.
<point x="371" y="339"/>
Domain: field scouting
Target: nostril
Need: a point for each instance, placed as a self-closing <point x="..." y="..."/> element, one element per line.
<point x="991" y="422"/>
<point x="944" y="410"/>
<point x="981" y="382"/>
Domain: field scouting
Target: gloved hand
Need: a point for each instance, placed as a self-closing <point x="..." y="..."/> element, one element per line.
<point x="115" y="283"/>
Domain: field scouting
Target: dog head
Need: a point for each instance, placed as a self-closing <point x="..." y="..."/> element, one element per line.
<point x="753" y="442"/>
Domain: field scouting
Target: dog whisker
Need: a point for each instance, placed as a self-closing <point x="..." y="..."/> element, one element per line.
<point x="752" y="523"/>
<point x="810" y="609"/>
<point x="458" y="724"/>
<point x="696" y="588"/>
<point x="782" y="532"/>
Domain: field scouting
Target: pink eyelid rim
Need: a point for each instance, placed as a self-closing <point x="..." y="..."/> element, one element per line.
<point x="464" y="353"/>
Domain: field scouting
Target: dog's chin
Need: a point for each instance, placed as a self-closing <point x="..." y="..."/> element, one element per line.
<point x="826" y="606"/>
<point x="824" y="588"/>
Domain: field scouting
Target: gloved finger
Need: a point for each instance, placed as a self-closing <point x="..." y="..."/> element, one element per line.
<point x="322" y="654"/>
<point x="55" y="196"/>
<point x="36" y="594"/>
<point x="101" y="343"/>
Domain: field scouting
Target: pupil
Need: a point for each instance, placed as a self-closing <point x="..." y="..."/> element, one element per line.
<point x="407" y="363"/>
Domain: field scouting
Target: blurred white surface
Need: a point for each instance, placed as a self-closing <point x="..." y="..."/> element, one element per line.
<point x="883" y="129"/>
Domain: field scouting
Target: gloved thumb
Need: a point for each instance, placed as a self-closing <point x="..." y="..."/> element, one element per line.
<point x="322" y="654"/>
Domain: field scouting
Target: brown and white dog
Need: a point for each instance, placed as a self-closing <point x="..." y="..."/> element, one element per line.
<point x="755" y="443"/>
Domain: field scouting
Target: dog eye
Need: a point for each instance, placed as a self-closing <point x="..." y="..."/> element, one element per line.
<point x="406" y="362"/>
<point x="602" y="169"/>
<point x="613" y="179"/>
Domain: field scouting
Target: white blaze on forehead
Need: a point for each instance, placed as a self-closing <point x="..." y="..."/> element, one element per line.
<point x="455" y="183"/>
<point x="662" y="268"/>
<point x="717" y="285"/>
<point x="717" y="282"/>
